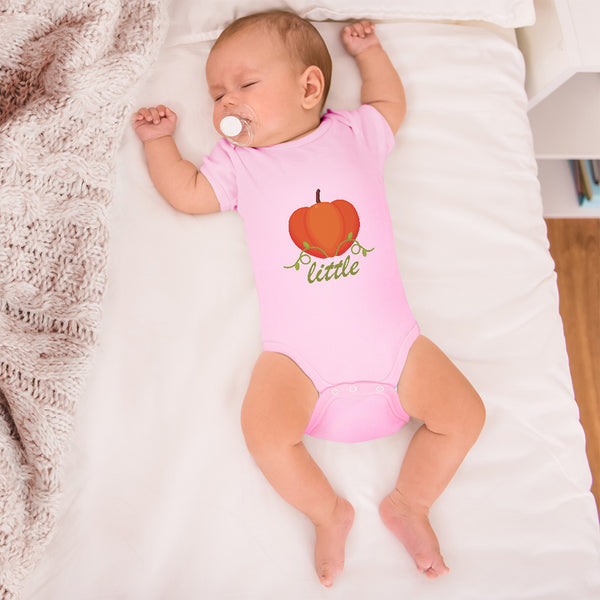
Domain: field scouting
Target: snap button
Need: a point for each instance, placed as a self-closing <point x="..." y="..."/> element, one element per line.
<point x="335" y="391"/>
<point x="353" y="388"/>
<point x="379" y="388"/>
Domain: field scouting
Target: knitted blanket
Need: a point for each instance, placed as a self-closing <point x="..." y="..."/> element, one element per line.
<point x="67" y="71"/>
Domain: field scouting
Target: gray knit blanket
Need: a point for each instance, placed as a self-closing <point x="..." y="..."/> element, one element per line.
<point x="67" y="74"/>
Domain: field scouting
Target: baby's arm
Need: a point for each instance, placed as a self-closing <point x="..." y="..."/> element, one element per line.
<point x="177" y="180"/>
<point x="381" y="84"/>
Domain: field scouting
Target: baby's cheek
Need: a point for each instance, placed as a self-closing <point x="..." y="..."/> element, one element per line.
<point x="216" y="119"/>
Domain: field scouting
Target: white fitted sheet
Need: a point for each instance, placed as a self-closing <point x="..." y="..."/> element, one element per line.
<point x="162" y="499"/>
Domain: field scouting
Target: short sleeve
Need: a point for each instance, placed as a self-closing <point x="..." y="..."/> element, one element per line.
<point x="371" y="129"/>
<point x="218" y="168"/>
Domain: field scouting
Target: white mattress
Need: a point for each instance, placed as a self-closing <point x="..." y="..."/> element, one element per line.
<point x="162" y="499"/>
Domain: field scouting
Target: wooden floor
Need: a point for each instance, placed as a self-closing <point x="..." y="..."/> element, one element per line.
<point x="575" y="247"/>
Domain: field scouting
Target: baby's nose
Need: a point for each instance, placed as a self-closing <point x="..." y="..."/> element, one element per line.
<point x="230" y="99"/>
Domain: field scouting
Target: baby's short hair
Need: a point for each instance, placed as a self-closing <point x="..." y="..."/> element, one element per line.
<point x="299" y="36"/>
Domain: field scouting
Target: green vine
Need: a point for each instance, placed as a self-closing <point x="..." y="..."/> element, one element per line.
<point x="305" y="259"/>
<point x="358" y="249"/>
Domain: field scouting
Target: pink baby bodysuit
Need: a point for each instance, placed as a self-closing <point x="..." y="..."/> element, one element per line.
<point x="320" y="239"/>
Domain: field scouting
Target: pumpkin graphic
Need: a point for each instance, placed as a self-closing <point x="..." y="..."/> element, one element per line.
<point x="325" y="229"/>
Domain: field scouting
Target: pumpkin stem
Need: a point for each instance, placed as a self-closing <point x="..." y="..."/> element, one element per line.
<point x="318" y="196"/>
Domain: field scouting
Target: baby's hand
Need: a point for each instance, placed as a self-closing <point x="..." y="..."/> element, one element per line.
<point x="359" y="36"/>
<point x="154" y="122"/>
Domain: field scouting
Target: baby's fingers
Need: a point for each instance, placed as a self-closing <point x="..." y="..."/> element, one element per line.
<point x="154" y="115"/>
<point x="151" y="114"/>
<point x="169" y="114"/>
<point x="361" y="29"/>
<point x="141" y="114"/>
<point x="162" y="110"/>
<point x="350" y="31"/>
<point x="148" y="114"/>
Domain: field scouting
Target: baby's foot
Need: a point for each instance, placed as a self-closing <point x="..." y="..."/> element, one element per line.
<point x="331" y="542"/>
<point x="411" y="526"/>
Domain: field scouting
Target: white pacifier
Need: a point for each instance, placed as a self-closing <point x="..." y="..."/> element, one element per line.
<point x="238" y="126"/>
<point x="231" y="126"/>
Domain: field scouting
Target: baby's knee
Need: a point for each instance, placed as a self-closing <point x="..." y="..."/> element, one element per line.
<point x="252" y="428"/>
<point x="473" y="417"/>
<point x="479" y="413"/>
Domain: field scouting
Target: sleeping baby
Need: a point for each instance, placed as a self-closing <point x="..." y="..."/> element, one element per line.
<point x="343" y="358"/>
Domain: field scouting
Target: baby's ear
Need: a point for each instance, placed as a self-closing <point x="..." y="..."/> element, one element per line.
<point x="313" y="84"/>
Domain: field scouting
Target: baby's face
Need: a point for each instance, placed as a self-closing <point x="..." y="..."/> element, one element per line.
<point x="253" y="67"/>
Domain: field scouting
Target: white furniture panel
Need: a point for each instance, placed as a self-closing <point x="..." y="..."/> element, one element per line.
<point x="562" y="56"/>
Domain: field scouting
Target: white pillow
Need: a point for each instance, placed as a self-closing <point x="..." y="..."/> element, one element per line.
<point x="193" y="20"/>
<point x="506" y="13"/>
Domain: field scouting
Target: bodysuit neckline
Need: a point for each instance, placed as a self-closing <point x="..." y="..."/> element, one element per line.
<point x="307" y="139"/>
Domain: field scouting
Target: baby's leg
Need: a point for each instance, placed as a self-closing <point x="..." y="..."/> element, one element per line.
<point x="434" y="391"/>
<point x="276" y="410"/>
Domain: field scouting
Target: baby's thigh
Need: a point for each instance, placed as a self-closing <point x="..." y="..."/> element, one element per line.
<point x="279" y="402"/>
<point x="432" y="389"/>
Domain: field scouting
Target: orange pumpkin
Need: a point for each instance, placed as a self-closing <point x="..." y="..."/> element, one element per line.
<point x="325" y="229"/>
